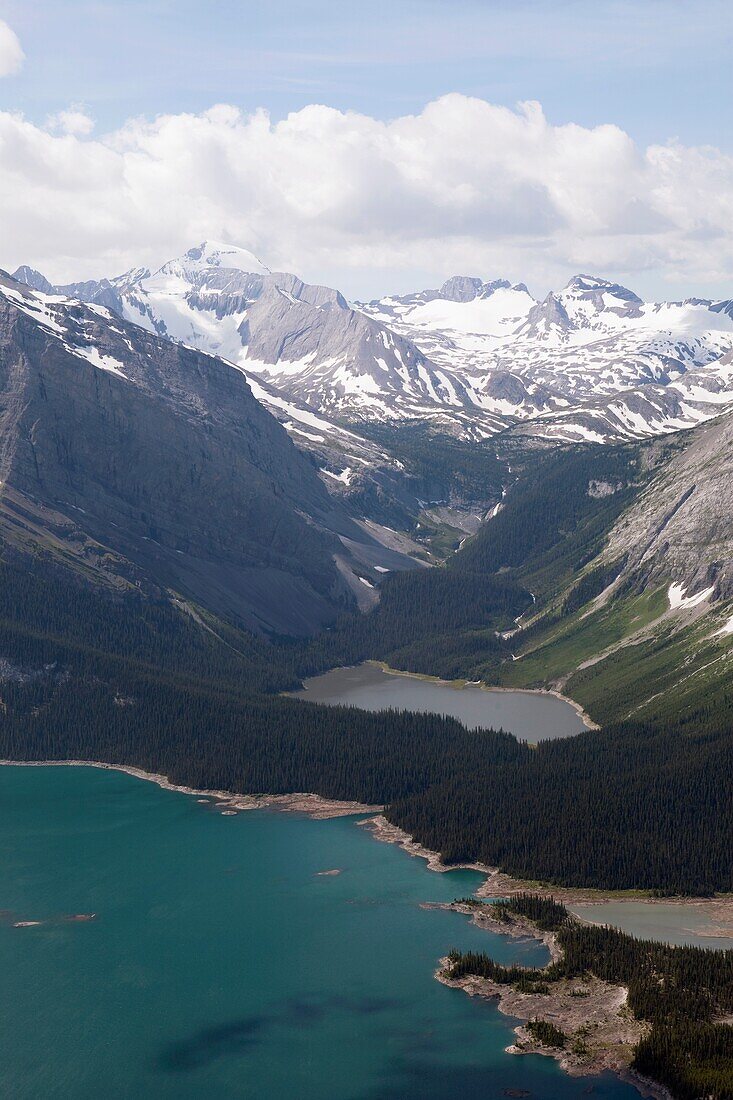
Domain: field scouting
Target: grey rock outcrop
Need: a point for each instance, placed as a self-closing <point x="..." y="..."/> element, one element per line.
<point x="32" y="278"/>
<point x="545" y="316"/>
<point x="680" y="528"/>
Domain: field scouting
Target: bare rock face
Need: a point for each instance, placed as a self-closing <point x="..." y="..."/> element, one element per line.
<point x="32" y="278"/>
<point x="601" y="295"/>
<point x="546" y="316"/>
<point x="158" y="455"/>
<point x="680" y="529"/>
<point x="460" y="288"/>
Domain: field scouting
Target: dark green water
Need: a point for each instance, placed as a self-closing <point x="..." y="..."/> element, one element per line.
<point x="220" y="965"/>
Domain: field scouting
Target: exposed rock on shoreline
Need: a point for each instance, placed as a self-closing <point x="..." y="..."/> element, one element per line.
<point x="498" y="884"/>
<point x="601" y="1031"/>
<point x="313" y="805"/>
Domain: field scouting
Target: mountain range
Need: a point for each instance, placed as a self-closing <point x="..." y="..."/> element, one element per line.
<point x="210" y="473"/>
<point x="190" y="359"/>
<point x="139" y="461"/>
<point x="591" y="362"/>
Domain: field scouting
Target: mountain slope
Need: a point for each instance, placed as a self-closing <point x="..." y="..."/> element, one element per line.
<point x="642" y="623"/>
<point x="627" y="551"/>
<point x="680" y="530"/>
<point x="139" y="461"/>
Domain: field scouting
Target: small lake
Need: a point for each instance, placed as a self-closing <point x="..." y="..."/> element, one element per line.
<point x="532" y="716"/>
<point x="223" y="962"/>
<point x="672" y="922"/>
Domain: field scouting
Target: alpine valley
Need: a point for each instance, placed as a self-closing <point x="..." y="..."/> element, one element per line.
<point x="217" y="481"/>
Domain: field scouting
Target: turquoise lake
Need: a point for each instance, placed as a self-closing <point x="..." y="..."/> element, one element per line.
<point x="220" y="964"/>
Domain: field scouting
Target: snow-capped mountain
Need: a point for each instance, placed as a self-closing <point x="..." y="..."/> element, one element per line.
<point x="306" y="340"/>
<point x="290" y="339"/>
<point x="592" y="361"/>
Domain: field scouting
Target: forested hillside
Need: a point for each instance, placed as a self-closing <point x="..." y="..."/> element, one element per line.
<point x="632" y="806"/>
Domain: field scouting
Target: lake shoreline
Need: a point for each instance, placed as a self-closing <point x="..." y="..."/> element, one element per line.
<point x="311" y="805"/>
<point x="499" y="884"/>
<point x="482" y="686"/>
<point x="513" y="1003"/>
<point x="614" y="1034"/>
<point x="601" y="999"/>
<point x="496" y="883"/>
<point x="321" y="688"/>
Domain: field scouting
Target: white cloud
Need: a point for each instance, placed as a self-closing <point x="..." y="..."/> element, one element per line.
<point x="11" y="53"/>
<point x="345" y="198"/>
<point x="74" y="120"/>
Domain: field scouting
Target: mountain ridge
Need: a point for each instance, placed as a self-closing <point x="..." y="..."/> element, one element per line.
<point x="592" y="343"/>
<point x="591" y="362"/>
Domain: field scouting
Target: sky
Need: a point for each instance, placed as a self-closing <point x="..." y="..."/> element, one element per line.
<point x="377" y="147"/>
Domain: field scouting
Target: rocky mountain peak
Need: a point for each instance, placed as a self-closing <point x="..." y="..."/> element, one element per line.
<point x="464" y="288"/>
<point x="593" y="288"/>
<point x="546" y="315"/>
<point x="725" y="306"/>
<point x="460" y="288"/>
<point x="32" y="278"/>
<point x="129" y="278"/>
<point x="151" y="453"/>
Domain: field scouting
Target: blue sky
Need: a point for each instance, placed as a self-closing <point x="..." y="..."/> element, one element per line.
<point x="528" y="139"/>
<point x="657" y="68"/>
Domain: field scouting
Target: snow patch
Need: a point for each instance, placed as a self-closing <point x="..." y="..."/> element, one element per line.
<point x="290" y="427"/>
<point x="344" y="477"/>
<point x="678" y="599"/>
<point x="727" y="629"/>
<point x="103" y="362"/>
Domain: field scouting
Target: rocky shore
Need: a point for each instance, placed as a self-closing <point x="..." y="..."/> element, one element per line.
<point x="601" y="1030"/>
